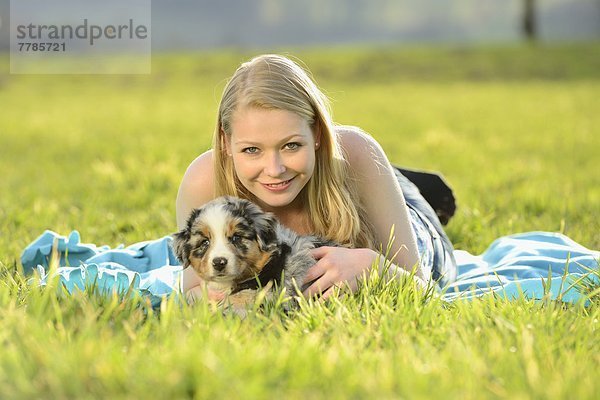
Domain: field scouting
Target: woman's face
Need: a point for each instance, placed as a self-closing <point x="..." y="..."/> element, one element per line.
<point x="273" y="154"/>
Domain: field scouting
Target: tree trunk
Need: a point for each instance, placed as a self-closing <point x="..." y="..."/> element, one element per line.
<point x="529" y="26"/>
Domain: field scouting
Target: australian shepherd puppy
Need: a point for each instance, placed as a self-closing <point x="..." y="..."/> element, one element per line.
<point x="237" y="248"/>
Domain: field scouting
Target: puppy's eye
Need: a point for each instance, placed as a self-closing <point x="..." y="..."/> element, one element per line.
<point x="204" y="243"/>
<point x="235" y="239"/>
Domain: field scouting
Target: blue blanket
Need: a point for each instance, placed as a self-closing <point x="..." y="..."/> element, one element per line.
<point x="149" y="267"/>
<point x="528" y="264"/>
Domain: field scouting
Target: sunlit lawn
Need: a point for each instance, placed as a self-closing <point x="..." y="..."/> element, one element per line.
<point x="514" y="130"/>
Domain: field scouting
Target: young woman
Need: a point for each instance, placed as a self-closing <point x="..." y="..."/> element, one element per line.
<point x="276" y="145"/>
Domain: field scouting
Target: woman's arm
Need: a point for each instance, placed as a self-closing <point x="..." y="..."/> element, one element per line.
<point x="385" y="206"/>
<point x="340" y="265"/>
<point x="196" y="188"/>
<point x="382" y="197"/>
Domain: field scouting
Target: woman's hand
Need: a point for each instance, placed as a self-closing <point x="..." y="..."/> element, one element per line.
<point x="335" y="266"/>
<point x="195" y="288"/>
<point x="199" y="292"/>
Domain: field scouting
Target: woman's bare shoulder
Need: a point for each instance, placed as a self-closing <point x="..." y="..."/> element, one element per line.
<point x="197" y="186"/>
<point x="360" y="148"/>
<point x="201" y="166"/>
<point x="349" y="133"/>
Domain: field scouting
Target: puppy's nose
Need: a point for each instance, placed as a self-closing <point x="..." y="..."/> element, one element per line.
<point x="219" y="263"/>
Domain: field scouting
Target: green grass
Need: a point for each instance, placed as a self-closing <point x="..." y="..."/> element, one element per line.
<point x="514" y="129"/>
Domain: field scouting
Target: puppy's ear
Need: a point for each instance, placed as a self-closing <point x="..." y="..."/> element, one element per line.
<point x="181" y="246"/>
<point x="181" y="240"/>
<point x="263" y="223"/>
<point x="266" y="231"/>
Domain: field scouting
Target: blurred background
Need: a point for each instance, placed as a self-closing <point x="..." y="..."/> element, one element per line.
<point x="208" y="24"/>
<point x="499" y="95"/>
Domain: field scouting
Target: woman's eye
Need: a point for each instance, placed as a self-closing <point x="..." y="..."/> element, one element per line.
<point x="292" y="146"/>
<point x="250" y="150"/>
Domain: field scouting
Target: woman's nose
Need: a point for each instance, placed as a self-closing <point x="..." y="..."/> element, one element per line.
<point x="274" y="166"/>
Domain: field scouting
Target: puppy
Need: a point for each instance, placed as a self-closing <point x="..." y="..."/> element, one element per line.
<point x="237" y="248"/>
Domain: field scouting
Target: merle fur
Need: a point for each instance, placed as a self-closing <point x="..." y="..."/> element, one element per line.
<point x="290" y="258"/>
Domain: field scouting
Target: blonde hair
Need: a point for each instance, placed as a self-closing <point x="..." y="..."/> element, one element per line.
<point x="276" y="82"/>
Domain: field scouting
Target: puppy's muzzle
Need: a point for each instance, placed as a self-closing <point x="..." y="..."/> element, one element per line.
<point x="219" y="263"/>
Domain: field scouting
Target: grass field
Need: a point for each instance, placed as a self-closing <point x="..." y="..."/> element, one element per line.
<point x="515" y="130"/>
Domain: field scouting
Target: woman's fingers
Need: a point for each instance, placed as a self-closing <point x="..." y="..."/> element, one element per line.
<point x="320" y="252"/>
<point x="326" y="294"/>
<point x="318" y="286"/>
<point x="317" y="274"/>
<point x="199" y="292"/>
<point x="344" y="286"/>
<point x="335" y="266"/>
<point x="314" y="272"/>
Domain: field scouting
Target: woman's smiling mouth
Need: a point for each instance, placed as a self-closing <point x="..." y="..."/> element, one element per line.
<point x="276" y="187"/>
